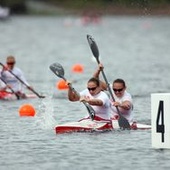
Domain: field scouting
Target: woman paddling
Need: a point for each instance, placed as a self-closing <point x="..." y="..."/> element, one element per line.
<point x="11" y="80"/>
<point x="123" y="99"/>
<point x="95" y="97"/>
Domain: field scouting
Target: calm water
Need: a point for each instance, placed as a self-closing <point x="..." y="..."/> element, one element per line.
<point x="133" y="48"/>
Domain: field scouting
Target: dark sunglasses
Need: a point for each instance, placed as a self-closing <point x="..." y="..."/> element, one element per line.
<point x="92" y="89"/>
<point x="117" y="90"/>
<point x="11" y="63"/>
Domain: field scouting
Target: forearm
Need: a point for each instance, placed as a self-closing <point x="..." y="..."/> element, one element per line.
<point x="97" y="73"/>
<point x="93" y="102"/>
<point x="72" y="95"/>
<point x="126" y="105"/>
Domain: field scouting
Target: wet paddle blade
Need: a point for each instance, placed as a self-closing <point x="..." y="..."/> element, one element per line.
<point x="57" y="69"/>
<point x="123" y="122"/>
<point x="90" y="110"/>
<point x="93" y="47"/>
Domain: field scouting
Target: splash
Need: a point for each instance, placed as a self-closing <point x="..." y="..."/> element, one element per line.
<point x="45" y="114"/>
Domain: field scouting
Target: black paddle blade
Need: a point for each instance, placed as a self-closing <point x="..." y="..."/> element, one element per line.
<point x="123" y="123"/>
<point x="93" y="46"/>
<point x="57" y="69"/>
<point x="90" y="110"/>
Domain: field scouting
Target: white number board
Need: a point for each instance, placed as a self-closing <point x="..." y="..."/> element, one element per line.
<point x="160" y="115"/>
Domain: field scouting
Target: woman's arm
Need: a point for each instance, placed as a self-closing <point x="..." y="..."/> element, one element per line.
<point x="96" y="74"/>
<point x="93" y="102"/>
<point x="72" y="95"/>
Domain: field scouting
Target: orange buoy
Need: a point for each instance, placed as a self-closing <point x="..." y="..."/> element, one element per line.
<point x="26" y="110"/>
<point x="78" y="68"/>
<point x="62" y="85"/>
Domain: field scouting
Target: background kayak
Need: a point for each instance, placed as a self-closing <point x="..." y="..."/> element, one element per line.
<point x="11" y="96"/>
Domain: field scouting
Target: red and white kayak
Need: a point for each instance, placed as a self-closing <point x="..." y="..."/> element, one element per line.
<point x="84" y="125"/>
<point x="4" y="95"/>
<point x="87" y="125"/>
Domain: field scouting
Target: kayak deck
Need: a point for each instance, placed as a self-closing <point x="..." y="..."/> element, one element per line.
<point x="11" y="96"/>
<point x="133" y="125"/>
<point x="87" y="125"/>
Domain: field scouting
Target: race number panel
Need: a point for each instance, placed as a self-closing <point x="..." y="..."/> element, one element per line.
<point x="160" y="115"/>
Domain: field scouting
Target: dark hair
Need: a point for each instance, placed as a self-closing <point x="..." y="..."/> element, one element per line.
<point x="95" y="80"/>
<point x="120" y="81"/>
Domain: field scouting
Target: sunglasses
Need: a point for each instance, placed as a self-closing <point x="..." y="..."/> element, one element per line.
<point x="91" y="89"/>
<point x="117" y="90"/>
<point x="11" y="63"/>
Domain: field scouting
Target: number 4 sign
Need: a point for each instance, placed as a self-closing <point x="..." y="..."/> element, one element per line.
<point x="160" y="127"/>
<point x="160" y="116"/>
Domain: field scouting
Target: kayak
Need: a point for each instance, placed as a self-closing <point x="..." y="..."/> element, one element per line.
<point x="4" y="95"/>
<point x="84" y="125"/>
<point x="87" y="125"/>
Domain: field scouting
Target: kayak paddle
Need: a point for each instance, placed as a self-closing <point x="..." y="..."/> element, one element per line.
<point x="24" y="83"/>
<point x="18" y="97"/>
<point x="123" y="122"/>
<point x="58" y="70"/>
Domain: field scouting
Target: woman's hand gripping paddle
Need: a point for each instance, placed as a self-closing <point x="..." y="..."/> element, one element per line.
<point x="123" y="122"/>
<point x="58" y="70"/>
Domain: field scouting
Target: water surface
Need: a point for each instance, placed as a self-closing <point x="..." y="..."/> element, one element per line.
<point x="133" y="48"/>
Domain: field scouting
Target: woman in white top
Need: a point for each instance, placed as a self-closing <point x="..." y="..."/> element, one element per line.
<point x="10" y="79"/>
<point x="123" y="99"/>
<point x="95" y="97"/>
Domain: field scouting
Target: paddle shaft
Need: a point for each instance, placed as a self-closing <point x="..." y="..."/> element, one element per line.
<point x="95" y="52"/>
<point x="123" y="122"/>
<point x="24" y="83"/>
